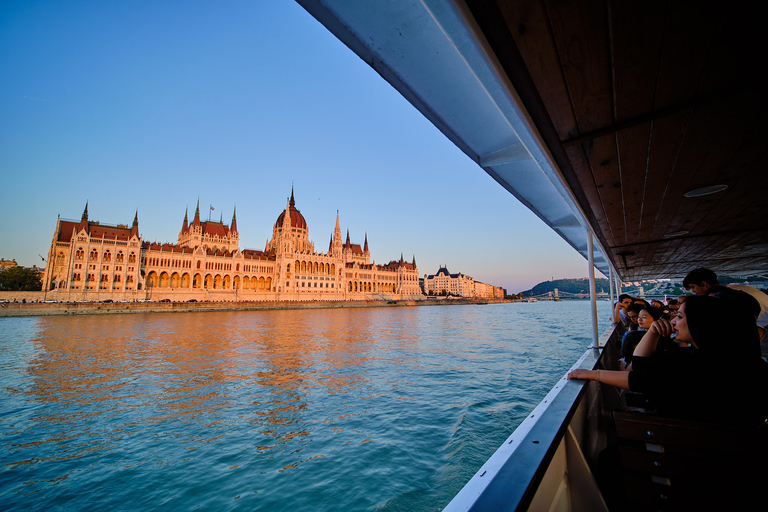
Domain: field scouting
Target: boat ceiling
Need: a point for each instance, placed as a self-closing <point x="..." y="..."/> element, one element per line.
<point x="598" y="115"/>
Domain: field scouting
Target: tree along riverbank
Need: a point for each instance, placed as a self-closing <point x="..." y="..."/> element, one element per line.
<point x="16" y="309"/>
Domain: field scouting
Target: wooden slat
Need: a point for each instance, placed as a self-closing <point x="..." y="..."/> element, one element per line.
<point x="636" y="35"/>
<point x="603" y="163"/>
<point x="583" y="173"/>
<point x="662" y="183"/>
<point x="579" y="28"/>
<point x="633" y="152"/>
<point x="689" y="30"/>
<point x="528" y="26"/>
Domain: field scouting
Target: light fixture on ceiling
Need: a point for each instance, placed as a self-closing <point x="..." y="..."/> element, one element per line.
<point x="705" y="191"/>
<point x="675" y="234"/>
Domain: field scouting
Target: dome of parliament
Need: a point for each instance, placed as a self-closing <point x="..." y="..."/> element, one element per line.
<point x="297" y="219"/>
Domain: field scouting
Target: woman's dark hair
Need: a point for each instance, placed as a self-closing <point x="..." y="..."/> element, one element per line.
<point x="655" y="313"/>
<point x="720" y="329"/>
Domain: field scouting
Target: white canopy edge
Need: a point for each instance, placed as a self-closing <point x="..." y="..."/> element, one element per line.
<point x="432" y="52"/>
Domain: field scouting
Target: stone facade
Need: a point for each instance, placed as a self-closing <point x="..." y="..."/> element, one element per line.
<point x="460" y="285"/>
<point x="93" y="261"/>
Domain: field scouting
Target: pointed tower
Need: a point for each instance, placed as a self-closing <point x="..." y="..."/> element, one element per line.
<point x="287" y="216"/>
<point x="365" y="247"/>
<point x="196" y="220"/>
<point x="233" y="227"/>
<point x="83" y="226"/>
<point x="135" y="225"/>
<point x="185" y="224"/>
<point x="336" y="240"/>
<point x="348" y="244"/>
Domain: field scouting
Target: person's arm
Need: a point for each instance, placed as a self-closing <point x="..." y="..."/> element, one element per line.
<point x="616" y="312"/>
<point x="647" y="345"/>
<point x="613" y="378"/>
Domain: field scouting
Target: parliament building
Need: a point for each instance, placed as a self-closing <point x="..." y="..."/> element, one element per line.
<point x="90" y="261"/>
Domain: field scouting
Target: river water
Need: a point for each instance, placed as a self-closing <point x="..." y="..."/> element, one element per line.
<point x="388" y="409"/>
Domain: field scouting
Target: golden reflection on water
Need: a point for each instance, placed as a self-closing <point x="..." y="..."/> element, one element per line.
<point x="187" y="365"/>
<point x="199" y="409"/>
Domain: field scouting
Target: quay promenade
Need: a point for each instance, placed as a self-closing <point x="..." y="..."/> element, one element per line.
<point x="16" y="309"/>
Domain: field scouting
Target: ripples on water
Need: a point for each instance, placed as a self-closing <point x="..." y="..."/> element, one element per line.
<point x="350" y="409"/>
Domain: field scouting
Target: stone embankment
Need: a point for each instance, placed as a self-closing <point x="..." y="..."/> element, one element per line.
<point x="100" y="308"/>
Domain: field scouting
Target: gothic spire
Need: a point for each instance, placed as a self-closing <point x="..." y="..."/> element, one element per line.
<point x="337" y="230"/>
<point x="196" y="220"/>
<point x="135" y="227"/>
<point x="84" y="218"/>
<point x="292" y="202"/>
<point x="185" y="224"/>
<point x="233" y="227"/>
<point x="365" y="247"/>
<point x="287" y="217"/>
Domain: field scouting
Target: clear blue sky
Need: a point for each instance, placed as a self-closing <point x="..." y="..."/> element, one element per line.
<point x="152" y="105"/>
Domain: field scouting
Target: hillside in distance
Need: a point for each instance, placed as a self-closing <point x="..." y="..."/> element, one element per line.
<point x="567" y="285"/>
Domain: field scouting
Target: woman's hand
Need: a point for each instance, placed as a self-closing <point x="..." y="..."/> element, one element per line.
<point x="662" y="327"/>
<point x="583" y="375"/>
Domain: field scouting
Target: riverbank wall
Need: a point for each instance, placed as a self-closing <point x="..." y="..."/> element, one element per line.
<point x="18" y="309"/>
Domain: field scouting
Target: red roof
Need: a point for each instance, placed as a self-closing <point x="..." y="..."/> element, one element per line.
<point x="66" y="230"/>
<point x="297" y="219"/>
<point x="215" y="228"/>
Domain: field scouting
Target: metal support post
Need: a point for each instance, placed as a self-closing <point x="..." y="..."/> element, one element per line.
<point x="592" y="293"/>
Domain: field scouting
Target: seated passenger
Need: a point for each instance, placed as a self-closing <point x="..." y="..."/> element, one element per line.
<point x="671" y="309"/>
<point x="645" y="318"/>
<point x="620" y="310"/>
<point x="720" y="377"/>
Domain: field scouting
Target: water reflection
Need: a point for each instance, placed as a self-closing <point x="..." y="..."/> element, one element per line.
<point x="362" y="407"/>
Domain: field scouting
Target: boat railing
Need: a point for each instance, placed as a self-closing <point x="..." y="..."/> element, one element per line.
<point x="548" y="462"/>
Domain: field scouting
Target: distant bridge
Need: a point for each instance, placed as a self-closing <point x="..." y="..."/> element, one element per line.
<point x="558" y="295"/>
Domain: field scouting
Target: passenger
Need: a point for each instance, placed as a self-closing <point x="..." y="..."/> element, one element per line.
<point x="703" y="281"/>
<point x="763" y="333"/>
<point x="619" y="310"/>
<point x="760" y="297"/>
<point x="720" y="377"/>
<point x="632" y="313"/>
<point x="646" y="317"/>
<point x="673" y="306"/>
<point x="699" y="281"/>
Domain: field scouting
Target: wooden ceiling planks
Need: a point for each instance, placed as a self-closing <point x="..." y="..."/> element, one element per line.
<point x="579" y="29"/>
<point x="527" y="24"/>
<point x="689" y="30"/>
<point x="636" y="34"/>
<point x="602" y="160"/>
<point x="649" y="100"/>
